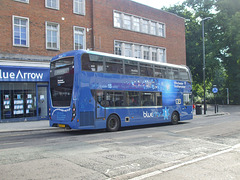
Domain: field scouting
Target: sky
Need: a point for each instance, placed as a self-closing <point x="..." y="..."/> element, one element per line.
<point x="159" y="3"/>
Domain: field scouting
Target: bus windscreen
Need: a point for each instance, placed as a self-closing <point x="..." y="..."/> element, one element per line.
<point x="61" y="81"/>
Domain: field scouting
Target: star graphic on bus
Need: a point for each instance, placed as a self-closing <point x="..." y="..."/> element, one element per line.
<point x="165" y="113"/>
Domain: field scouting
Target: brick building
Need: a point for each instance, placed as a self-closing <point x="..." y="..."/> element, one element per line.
<point x="33" y="31"/>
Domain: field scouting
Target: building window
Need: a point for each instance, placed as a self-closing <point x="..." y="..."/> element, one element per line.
<point x="145" y="52"/>
<point x="24" y="1"/>
<point x="161" y="30"/>
<point x="140" y="51"/>
<point x="137" y="51"/>
<point x="79" y="7"/>
<point x="128" y="50"/>
<point x="138" y="24"/>
<point x="117" y="48"/>
<point x="20" y="31"/>
<point x="117" y="20"/>
<point x="154" y="54"/>
<point x="153" y="30"/>
<point x="52" y="36"/>
<point x="145" y="26"/>
<point x="53" y="4"/>
<point x="79" y="38"/>
<point x="162" y="55"/>
<point x="127" y="22"/>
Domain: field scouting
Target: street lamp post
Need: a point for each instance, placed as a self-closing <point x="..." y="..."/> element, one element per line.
<point x="204" y="85"/>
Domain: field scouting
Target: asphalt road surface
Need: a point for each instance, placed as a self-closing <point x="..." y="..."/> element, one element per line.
<point x="203" y="148"/>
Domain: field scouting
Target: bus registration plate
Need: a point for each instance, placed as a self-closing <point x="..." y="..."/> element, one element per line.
<point x="61" y="125"/>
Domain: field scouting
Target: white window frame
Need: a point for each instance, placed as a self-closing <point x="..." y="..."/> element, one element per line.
<point x="136" y="24"/>
<point x="117" y="48"/>
<point x="26" y="1"/>
<point x="58" y="35"/>
<point x="148" y="49"/>
<point x="27" y="31"/>
<point x="76" y="32"/>
<point x="51" y="7"/>
<point x="117" y="24"/>
<point x="145" y="26"/>
<point x="127" y="22"/>
<point x="82" y="10"/>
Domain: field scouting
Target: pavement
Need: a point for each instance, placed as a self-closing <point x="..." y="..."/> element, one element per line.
<point x="44" y="124"/>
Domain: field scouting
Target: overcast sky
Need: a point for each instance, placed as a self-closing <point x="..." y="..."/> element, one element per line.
<point x="159" y="3"/>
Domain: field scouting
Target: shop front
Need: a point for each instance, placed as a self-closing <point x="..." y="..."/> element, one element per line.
<point x="23" y="93"/>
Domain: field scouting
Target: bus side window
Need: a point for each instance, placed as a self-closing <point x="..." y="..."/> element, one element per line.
<point x="183" y="74"/>
<point x="160" y="72"/>
<point x="187" y="99"/>
<point x="132" y="98"/>
<point x="131" y="68"/>
<point x="92" y="63"/>
<point x="114" y="66"/>
<point x="159" y="99"/>
<point x="146" y="70"/>
<point x="86" y="65"/>
<point x="148" y="99"/>
<point x="175" y="74"/>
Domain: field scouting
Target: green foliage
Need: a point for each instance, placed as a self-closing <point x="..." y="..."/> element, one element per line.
<point x="222" y="43"/>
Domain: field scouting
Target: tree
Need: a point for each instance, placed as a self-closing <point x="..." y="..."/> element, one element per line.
<point x="228" y="17"/>
<point x="194" y="11"/>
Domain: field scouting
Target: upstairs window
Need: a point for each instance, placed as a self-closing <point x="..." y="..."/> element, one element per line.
<point x="127" y="23"/>
<point x="117" y="20"/>
<point x="20" y="31"/>
<point x="53" y="4"/>
<point x="52" y="36"/>
<point x="138" y="24"/>
<point x="24" y="1"/>
<point x="79" y="7"/>
<point x="79" y="38"/>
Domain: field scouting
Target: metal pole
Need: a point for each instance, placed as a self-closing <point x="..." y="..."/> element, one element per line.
<point x="204" y="66"/>
<point x="204" y="86"/>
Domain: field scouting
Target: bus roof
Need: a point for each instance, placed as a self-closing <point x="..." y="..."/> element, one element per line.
<point x="81" y="51"/>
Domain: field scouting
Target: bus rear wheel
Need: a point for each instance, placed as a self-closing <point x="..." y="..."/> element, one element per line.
<point x="175" y="118"/>
<point x="113" y="123"/>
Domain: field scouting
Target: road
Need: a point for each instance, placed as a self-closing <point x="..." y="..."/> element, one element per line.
<point x="201" y="148"/>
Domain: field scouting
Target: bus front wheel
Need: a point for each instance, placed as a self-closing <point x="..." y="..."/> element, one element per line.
<point x="175" y="118"/>
<point x="113" y="123"/>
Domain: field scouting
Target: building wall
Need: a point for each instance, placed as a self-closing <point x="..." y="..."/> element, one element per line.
<point x="174" y="42"/>
<point x="38" y="14"/>
<point x="101" y="33"/>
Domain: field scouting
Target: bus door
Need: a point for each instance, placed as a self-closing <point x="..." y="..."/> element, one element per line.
<point x="100" y="103"/>
<point x="187" y="102"/>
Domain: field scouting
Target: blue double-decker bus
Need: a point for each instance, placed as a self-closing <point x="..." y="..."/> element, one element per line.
<point x="93" y="90"/>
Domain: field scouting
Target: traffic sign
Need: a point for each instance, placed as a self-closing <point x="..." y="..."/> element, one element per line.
<point x="215" y="90"/>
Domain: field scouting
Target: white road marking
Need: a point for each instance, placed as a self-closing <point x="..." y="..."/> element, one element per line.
<point x="185" y="163"/>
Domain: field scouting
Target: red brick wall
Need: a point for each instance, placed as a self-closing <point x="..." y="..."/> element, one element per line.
<point x="38" y="14"/>
<point x="103" y="30"/>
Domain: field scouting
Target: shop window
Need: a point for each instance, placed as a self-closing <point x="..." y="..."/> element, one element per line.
<point x="18" y="100"/>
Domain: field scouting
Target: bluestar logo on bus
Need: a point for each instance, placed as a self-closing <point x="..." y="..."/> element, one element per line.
<point x="156" y="114"/>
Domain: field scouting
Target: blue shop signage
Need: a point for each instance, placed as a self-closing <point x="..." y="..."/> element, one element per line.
<point x="29" y="74"/>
